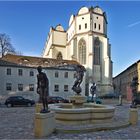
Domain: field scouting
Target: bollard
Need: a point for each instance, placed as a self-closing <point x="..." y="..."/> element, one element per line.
<point x="120" y="99"/>
<point x="44" y="124"/>
<point x="133" y="116"/>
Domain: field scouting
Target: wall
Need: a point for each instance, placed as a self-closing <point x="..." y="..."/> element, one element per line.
<point x="98" y="20"/>
<point x="26" y="80"/>
<point x="123" y="80"/>
<point x="82" y="20"/>
<point x="15" y="79"/>
<point x="59" y="38"/>
<point x="48" y="46"/>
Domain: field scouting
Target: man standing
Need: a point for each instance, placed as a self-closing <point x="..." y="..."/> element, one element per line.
<point x="93" y="92"/>
<point x="42" y="89"/>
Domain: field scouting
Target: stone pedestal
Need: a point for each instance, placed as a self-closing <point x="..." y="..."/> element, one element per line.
<point x="78" y="100"/>
<point x="38" y="107"/>
<point x="44" y="124"/>
<point x="133" y="116"/>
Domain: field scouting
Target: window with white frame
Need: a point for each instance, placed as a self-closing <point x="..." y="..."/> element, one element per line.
<point x="56" y="74"/>
<point x="66" y="88"/>
<point x="74" y="75"/>
<point x="31" y="73"/>
<point x="9" y="86"/>
<point x="66" y="74"/>
<point x="20" y="87"/>
<point x="8" y="71"/>
<point x="56" y="88"/>
<point x="31" y="87"/>
<point x="20" y="72"/>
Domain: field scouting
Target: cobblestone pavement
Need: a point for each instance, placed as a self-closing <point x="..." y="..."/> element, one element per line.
<point x="17" y="123"/>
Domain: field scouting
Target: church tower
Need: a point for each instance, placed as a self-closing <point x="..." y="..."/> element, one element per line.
<point x="86" y="42"/>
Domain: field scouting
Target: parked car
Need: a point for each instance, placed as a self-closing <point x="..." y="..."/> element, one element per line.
<point x="109" y="96"/>
<point x="98" y="100"/>
<point x="57" y="99"/>
<point x="18" y="101"/>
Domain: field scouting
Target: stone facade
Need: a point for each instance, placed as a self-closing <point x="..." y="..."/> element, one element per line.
<point x="19" y="78"/>
<point x="86" y="42"/>
<point x="123" y="80"/>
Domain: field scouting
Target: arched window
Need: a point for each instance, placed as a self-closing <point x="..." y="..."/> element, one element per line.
<point x="82" y="51"/>
<point x="59" y="56"/>
<point x="97" y="51"/>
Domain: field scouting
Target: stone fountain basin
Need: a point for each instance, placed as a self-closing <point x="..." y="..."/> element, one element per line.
<point x="89" y="113"/>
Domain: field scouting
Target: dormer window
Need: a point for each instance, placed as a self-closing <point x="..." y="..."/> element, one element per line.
<point x="26" y="60"/>
<point x="46" y="62"/>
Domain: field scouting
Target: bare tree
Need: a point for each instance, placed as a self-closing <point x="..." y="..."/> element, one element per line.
<point x="5" y="45"/>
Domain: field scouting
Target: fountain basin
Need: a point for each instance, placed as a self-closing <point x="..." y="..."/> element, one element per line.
<point x="88" y="113"/>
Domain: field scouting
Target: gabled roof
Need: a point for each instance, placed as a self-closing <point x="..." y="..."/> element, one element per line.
<point x="28" y="61"/>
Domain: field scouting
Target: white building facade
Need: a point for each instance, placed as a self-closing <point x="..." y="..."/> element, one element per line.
<point x="18" y="76"/>
<point x="86" y="42"/>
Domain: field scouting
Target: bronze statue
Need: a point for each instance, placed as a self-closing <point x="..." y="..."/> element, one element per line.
<point x="93" y="90"/>
<point x="79" y="78"/>
<point x="134" y="87"/>
<point x="42" y="89"/>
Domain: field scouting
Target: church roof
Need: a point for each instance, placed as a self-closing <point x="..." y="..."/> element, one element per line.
<point x="29" y="61"/>
<point x="59" y="28"/>
<point x="85" y="9"/>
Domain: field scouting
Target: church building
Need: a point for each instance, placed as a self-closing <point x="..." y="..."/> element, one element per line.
<point x="86" y="42"/>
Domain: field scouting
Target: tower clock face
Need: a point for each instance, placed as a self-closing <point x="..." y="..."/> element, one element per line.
<point x="97" y="41"/>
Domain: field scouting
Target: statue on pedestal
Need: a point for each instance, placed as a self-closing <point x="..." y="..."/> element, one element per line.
<point x="134" y="87"/>
<point x="42" y="89"/>
<point x="79" y="78"/>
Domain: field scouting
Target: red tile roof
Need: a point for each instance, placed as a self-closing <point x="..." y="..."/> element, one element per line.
<point x="30" y="61"/>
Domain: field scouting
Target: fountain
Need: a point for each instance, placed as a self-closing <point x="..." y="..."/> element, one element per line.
<point x="78" y="111"/>
<point x="79" y="116"/>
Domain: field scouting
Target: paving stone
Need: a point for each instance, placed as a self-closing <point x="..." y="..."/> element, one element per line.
<point x="18" y="123"/>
